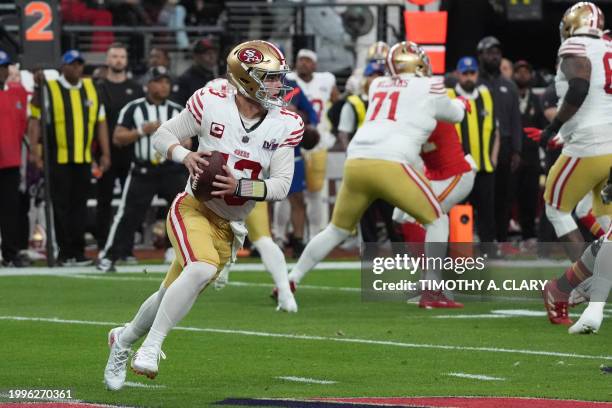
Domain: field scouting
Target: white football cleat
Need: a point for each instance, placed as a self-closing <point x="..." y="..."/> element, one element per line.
<point x="287" y="303"/>
<point x="114" y="373"/>
<point x="146" y="361"/>
<point x="590" y="320"/>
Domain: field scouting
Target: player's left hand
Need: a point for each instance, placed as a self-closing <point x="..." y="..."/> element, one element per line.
<point x="226" y="185"/>
<point x="533" y="133"/>
<point x="542" y="137"/>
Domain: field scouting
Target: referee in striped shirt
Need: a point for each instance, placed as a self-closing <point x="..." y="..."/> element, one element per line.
<point x="150" y="173"/>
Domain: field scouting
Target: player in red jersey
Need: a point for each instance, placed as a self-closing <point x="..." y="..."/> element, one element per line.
<point x="452" y="175"/>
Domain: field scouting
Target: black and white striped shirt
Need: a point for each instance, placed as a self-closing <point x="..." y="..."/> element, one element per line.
<point x="138" y="112"/>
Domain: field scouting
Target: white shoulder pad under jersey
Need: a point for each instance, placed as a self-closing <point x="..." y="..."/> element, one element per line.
<point x="402" y="112"/>
<point x="248" y="154"/>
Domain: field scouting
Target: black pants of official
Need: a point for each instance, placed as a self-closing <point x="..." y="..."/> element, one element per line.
<point x="482" y="199"/>
<point x="104" y="210"/>
<point x="70" y="187"/>
<point x="505" y="181"/>
<point x="9" y="212"/>
<point x="143" y="183"/>
<point x="527" y="194"/>
<point x="23" y="235"/>
<point x="382" y="210"/>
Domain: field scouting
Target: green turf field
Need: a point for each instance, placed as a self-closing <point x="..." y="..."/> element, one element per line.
<point x="234" y="344"/>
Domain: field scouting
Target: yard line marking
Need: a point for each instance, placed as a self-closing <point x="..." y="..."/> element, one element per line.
<point x="476" y="377"/>
<point x="158" y="268"/>
<point x="471" y="316"/>
<point x="497" y="314"/>
<point x="306" y="380"/>
<point x="332" y="339"/>
<point x="141" y="385"/>
<point x="231" y="283"/>
<point x="255" y="267"/>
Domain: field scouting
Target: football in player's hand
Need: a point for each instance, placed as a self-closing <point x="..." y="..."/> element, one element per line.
<point x="311" y="138"/>
<point x="201" y="183"/>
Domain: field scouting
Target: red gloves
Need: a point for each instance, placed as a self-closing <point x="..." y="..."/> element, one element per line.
<point x="533" y="133"/>
<point x="550" y="141"/>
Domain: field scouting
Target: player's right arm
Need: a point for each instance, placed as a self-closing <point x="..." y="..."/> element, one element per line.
<point x="168" y="138"/>
<point x="576" y="67"/>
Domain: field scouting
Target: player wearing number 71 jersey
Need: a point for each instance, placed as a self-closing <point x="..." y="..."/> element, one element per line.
<point x="257" y="137"/>
<point x="402" y="112"/>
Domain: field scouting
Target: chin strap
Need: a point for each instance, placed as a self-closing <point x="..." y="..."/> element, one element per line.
<point x="251" y="189"/>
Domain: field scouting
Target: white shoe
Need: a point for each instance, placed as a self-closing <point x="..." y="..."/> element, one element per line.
<point x="590" y="320"/>
<point x="114" y="373"/>
<point x="146" y="361"/>
<point x="287" y="303"/>
<point x="105" y="265"/>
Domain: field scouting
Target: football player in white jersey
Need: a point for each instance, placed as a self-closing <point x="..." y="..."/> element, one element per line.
<point x="320" y="89"/>
<point x="402" y="112"/>
<point x="258" y="227"/>
<point x="597" y="259"/>
<point x="257" y="136"/>
<point x="584" y="120"/>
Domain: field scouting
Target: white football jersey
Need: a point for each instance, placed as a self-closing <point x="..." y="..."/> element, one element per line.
<point x="318" y="91"/>
<point x="248" y="153"/>
<point x="402" y="113"/>
<point x="589" y="131"/>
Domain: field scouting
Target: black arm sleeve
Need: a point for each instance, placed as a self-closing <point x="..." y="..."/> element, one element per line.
<point x="577" y="92"/>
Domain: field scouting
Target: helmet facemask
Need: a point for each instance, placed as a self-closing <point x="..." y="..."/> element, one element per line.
<point x="269" y="96"/>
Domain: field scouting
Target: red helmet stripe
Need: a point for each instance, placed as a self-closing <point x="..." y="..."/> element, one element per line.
<point x="594" y="15"/>
<point x="390" y="63"/>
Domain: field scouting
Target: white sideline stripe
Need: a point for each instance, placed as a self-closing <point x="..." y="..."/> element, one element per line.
<point x="231" y="283"/>
<point x="247" y="267"/>
<point x="476" y="377"/>
<point x="155" y="268"/>
<point x="306" y="380"/>
<point x="134" y="384"/>
<point x="471" y="316"/>
<point x="332" y="339"/>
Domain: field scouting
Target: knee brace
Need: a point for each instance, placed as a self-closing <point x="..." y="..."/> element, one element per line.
<point x="563" y="222"/>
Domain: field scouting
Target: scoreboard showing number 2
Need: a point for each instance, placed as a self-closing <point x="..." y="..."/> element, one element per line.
<point x="40" y="34"/>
